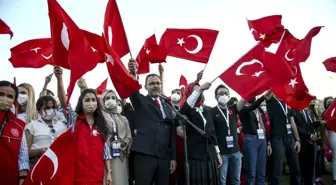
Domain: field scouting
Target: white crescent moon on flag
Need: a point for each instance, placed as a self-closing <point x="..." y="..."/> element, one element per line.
<point x="65" y="36"/>
<point x="253" y="30"/>
<point x="109" y="35"/>
<point x="54" y="159"/>
<point x="332" y="113"/>
<point x="238" y="73"/>
<point x="286" y="55"/>
<point x="199" y="44"/>
<point x="46" y="57"/>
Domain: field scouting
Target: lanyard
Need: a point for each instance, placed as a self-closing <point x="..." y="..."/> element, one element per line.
<point x="226" y="118"/>
<point x="283" y="109"/>
<point x="306" y="116"/>
<point x="257" y="113"/>
<point x="114" y="131"/>
<point x="3" y="126"/>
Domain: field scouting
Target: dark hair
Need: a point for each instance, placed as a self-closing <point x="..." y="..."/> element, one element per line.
<point x="325" y="101"/>
<point x="99" y="119"/>
<point x="5" y="83"/>
<point x="151" y="75"/>
<point x="44" y="99"/>
<point x="220" y="87"/>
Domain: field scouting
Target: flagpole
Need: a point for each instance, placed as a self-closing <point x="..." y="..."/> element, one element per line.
<point x="237" y="60"/>
<point x="282" y="37"/>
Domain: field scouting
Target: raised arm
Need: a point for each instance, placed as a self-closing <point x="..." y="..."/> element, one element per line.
<point x="60" y="87"/>
<point x="45" y="86"/>
<point x="135" y="98"/>
<point x="192" y="99"/>
<point x="161" y="72"/>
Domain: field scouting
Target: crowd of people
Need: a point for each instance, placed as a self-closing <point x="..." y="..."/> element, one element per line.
<point x="142" y="141"/>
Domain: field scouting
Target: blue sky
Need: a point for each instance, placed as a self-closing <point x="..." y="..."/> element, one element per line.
<point x="29" y="19"/>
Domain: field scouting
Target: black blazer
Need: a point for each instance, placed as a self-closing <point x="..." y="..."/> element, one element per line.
<point x="155" y="135"/>
<point x="200" y="146"/>
<point x="304" y="128"/>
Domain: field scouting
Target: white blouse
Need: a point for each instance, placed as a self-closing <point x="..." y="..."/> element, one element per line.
<point x="42" y="135"/>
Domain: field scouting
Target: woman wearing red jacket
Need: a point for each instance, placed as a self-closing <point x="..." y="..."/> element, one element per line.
<point x="14" y="160"/>
<point x="93" y="148"/>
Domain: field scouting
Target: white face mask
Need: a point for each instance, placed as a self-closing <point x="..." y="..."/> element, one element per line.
<point x="48" y="114"/>
<point x="223" y="100"/>
<point x="110" y="104"/>
<point x="175" y="97"/>
<point x="22" y="99"/>
<point x="264" y="109"/>
<point x="119" y="109"/>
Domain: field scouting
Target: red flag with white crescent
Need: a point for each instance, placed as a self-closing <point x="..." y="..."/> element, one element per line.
<point x="56" y="165"/>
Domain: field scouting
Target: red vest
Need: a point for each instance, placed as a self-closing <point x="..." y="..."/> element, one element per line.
<point x="10" y="142"/>
<point x="89" y="163"/>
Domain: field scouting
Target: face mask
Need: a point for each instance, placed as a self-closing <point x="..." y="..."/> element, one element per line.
<point x="48" y="114"/>
<point x="110" y="104"/>
<point x="175" y="97"/>
<point x="5" y="103"/>
<point x="264" y="109"/>
<point x="22" y="99"/>
<point x="223" y="99"/>
<point x="119" y="109"/>
<point x="89" y="107"/>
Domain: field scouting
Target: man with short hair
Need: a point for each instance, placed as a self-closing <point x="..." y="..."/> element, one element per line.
<point x="225" y="119"/>
<point x="154" y="145"/>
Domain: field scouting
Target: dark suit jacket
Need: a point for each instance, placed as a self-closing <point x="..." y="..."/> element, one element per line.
<point x="155" y="135"/>
<point x="200" y="146"/>
<point x="304" y="128"/>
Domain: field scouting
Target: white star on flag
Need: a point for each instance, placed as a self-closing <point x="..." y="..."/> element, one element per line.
<point x="180" y="41"/>
<point x="35" y="49"/>
<point x="262" y="36"/>
<point x="109" y="58"/>
<point x="93" y="49"/>
<point x="293" y="82"/>
<point x="147" y="51"/>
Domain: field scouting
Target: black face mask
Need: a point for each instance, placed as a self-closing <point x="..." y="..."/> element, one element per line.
<point x="252" y="100"/>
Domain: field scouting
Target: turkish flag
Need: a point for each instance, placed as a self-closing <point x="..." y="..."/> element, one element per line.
<point x="330" y="113"/>
<point x="150" y="52"/>
<point x="102" y="87"/>
<point x="97" y="46"/>
<point x="70" y="43"/>
<point x="267" y="30"/>
<point x="190" y="44"/>
<point x="114" y="29"/>
<point x="295" y="50"/>
<point x="34" y="53"/>
<point x="183" y="85"/>
<point x="330" y="116"/>
<point x="56" y="165"/>
<point x="5" y="29"/>
<point x="295" y="93"/>
<point x="255" y="72"/>
<point x="330" y="64"/>
<point x="124" y="83"/>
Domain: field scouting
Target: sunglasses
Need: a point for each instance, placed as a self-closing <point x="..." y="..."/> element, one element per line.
<point x="52" y="130"/>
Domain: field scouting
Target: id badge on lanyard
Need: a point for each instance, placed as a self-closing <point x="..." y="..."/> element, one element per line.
<point x="260" y="131"/>
<point x="229" y="138"/>
<point x="285" y="110"/>
<point x="229" y="141"/>
<point x="115" y="144"/>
